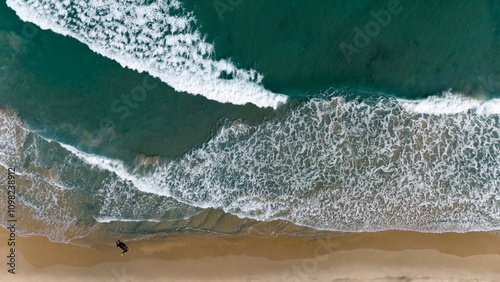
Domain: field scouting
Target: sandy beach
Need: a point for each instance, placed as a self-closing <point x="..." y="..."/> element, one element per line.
<point x="187" y="256"/>
<point x="232" y="140"/>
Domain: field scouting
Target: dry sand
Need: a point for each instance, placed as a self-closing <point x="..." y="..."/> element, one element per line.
<point x="188" y="256"/>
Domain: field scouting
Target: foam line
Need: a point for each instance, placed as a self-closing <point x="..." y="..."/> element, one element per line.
<point x="351" y="166"/>
<point x="158" y="37"/>
<point x="112" y="219"/>
<point x="450" y="103"/>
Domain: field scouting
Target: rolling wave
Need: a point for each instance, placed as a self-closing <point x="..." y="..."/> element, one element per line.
<point x="450" y="103"/>
<point x="157" y="37"/>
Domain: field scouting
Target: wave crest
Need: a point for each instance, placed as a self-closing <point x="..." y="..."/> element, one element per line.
<point x="157" y="37"/>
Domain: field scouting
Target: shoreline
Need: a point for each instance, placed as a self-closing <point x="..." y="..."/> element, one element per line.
<point x="191" y="256"/>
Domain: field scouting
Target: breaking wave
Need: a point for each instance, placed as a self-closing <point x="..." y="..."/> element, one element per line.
<point x="157" y="37"/>
<point x="331" y="164"/>
<point x="359" y="165"/>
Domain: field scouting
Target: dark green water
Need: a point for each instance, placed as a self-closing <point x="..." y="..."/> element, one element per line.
<point x="128" y="116"/>
<point x="426" y="48"/>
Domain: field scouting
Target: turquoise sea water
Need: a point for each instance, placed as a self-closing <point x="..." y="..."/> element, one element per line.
<point x="142" y="117"/>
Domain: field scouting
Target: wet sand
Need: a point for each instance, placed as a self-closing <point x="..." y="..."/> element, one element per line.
<point x="188" y="256"/>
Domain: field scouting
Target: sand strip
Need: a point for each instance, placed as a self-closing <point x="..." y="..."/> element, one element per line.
<point x="188" y="256"/>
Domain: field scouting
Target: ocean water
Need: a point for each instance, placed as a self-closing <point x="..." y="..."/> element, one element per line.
<point x="284" y="117"/>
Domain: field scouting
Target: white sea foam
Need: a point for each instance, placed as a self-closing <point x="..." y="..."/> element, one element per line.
<point x="42" y="202"/>
<point x="123" y="194"/>
<point x="113" y="219"/>
<point x="158" y="37"/>
<point x="351" y="166"/>
<point x="330" y="164"/>
<point x="344" y="165"/>
<point x="450" y="103"/>
<point x="57" y="183"/>
<point x="11" y="137"/>
<point x="103" y="163"/>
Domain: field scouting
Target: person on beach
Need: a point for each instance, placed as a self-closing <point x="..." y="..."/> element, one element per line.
<point x="123" y="247"/>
